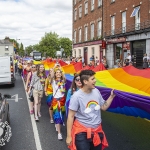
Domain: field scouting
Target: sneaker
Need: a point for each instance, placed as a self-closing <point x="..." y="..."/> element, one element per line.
<point x="36" y="119"/>
<point x="60" y="136"/>
<point x="51" y="121"/>
<point x="31" y="112"/>
<point x="39" y="114"/>
<point x="56" y="127"/>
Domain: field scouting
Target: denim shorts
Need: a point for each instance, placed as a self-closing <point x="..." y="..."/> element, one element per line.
<point x="82" y="143"/>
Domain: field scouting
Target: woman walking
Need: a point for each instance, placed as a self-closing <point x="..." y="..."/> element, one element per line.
<point x="49" y="94"/>
<point x="38" y="84"/>
<point x="29" y="78"/>
<point x="58" y="103"/>
<point x="76" y="85"/>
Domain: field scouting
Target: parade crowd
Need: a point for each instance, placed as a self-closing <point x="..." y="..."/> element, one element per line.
<point x="81" y="104"/>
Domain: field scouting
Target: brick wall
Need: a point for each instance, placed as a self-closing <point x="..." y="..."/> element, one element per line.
<point x="118" y="7"/>
<point x="91" y="17"/>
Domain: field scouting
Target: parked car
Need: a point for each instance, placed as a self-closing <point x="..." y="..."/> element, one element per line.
<point x="4" y="114"/>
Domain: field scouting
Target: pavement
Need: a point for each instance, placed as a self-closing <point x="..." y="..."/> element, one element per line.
<point x="122" y="132"/>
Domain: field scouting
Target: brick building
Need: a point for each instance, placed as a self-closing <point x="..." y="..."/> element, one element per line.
<point x="124" y="25"/>
<point x="87" y="29"/>
<point x="126" y="30"/>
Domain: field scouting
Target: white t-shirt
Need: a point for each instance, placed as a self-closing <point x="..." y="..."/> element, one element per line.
<point x="57" y="94"/>
<point x="129" y="57"/>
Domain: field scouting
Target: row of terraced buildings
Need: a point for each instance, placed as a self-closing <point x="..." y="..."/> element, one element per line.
<point x="111" y="28"/>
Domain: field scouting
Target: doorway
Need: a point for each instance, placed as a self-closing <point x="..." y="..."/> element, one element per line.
<point x="85" y="55"/>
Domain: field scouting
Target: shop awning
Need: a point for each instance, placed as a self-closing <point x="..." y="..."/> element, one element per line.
<point x="135" y="11"/>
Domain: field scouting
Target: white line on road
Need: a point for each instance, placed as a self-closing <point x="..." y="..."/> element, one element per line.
<point x="34" y="126"/>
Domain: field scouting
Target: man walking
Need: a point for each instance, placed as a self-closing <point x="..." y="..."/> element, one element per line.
<point x="84" y="130"/>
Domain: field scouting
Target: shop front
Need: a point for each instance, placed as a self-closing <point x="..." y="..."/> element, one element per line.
<point x="120" y="50"/>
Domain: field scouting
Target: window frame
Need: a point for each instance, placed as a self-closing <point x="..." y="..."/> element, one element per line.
<point x="124" y="21"/>
<point x="80" y="11"/>
<point x="85" y="33"/>
<point x="86" y="8"/>
<point x="99" y="30"/>
<point x="92" y="4"/>
<point x="112" y="25"/>
<point x="80" y="35"/>
<point x="99" y="3"/>
<point x="92" y="31"/>
<point x="75" y="36"/>
<point x="137" y="20"/>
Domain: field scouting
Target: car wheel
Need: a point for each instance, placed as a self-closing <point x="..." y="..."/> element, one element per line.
<point x="13" y="84"/>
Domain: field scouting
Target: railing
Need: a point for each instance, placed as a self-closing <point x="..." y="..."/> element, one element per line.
<point x="130" y="29"/>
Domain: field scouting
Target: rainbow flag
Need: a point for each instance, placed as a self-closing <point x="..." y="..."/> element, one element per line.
<point x="132" y="89"/>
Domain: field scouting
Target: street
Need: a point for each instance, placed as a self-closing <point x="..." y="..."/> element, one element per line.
<point x="122" y="132"/>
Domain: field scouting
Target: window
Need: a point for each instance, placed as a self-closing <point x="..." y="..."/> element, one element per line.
<point x="135" y="11"/>
<point x="85" y="33"/>
<point x="92" y="4"/>
<point x="6" y="54"/>
<point x="79" y="52"/>
<point x="74" y="36"/>
<point x="86" y="8"/>
<point x="99" y="3"/>
<point x="79" y="35"/>
<point x="124" y="22"/>
<point x="92" y="31"/>
<point x="6" y="48"/>
<point x="74" y="2"/>
<point x="93" y="51"/>
<point x="80" y="12"/>
<point x="99" y="31"/>
<point x="137" y="21"/>
<point x="75" y="14"/>
<point x="112" y="25"/>
<point x="112" y="1"/>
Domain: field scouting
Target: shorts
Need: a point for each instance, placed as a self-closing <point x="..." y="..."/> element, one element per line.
<point x="37" y="93"/>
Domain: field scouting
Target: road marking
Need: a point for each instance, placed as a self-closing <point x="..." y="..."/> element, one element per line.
<point x="16" y="98"/>
<point x="34" y="126"/>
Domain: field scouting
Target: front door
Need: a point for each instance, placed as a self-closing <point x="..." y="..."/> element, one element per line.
<point x="85" y="55"/>
<point x="101" y="54"/>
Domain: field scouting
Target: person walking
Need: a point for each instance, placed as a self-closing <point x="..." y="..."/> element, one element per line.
<point x="38" y="84"/>
<point x="58" y="103"/>
<point x="84" y="129"/>
<point x="75" y="86"/>
<point x="145" y="61"/>
<point x="49" y="94"/>
<point x="29" y="78"/>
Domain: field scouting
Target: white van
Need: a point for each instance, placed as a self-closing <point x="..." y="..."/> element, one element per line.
<point x="7" y="70"/>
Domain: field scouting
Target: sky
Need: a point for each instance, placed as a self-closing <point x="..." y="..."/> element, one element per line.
<point x="29" y="20"/>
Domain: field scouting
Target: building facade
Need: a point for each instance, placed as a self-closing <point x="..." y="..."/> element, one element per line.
<point x="126" y="30"/>
<point x="6" y="47"/>
<point x="87" y="29"/>
<point x="123" y="25"/>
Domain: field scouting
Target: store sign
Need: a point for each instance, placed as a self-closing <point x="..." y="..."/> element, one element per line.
<point x="103" y="44"/>
<point x="87" y="44"/>
<point x="116" y="40"/>
<point x="126" y="46"/>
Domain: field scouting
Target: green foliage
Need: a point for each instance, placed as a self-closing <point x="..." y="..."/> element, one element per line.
<point x="66" y="44"/>
<point x="51" y="43"/>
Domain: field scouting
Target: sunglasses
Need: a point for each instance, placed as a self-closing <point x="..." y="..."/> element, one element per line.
<point x="77" y="79"/>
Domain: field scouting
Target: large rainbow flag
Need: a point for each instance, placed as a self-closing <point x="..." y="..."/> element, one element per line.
<point x="132" y="89"/>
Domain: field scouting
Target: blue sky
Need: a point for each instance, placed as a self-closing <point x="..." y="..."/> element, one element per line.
<point x="28" y="20"/>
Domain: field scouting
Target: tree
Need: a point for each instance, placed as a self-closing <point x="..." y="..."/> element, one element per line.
<point x="66" y="44"/>
<point x="49" y="44"/>
<point x="29" y="49"/>
<point x="21" y="50"/>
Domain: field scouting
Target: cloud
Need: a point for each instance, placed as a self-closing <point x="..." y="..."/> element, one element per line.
<point x="28" y="20"/>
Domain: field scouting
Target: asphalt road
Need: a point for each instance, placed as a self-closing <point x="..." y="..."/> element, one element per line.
<point x="122" y="132"/>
